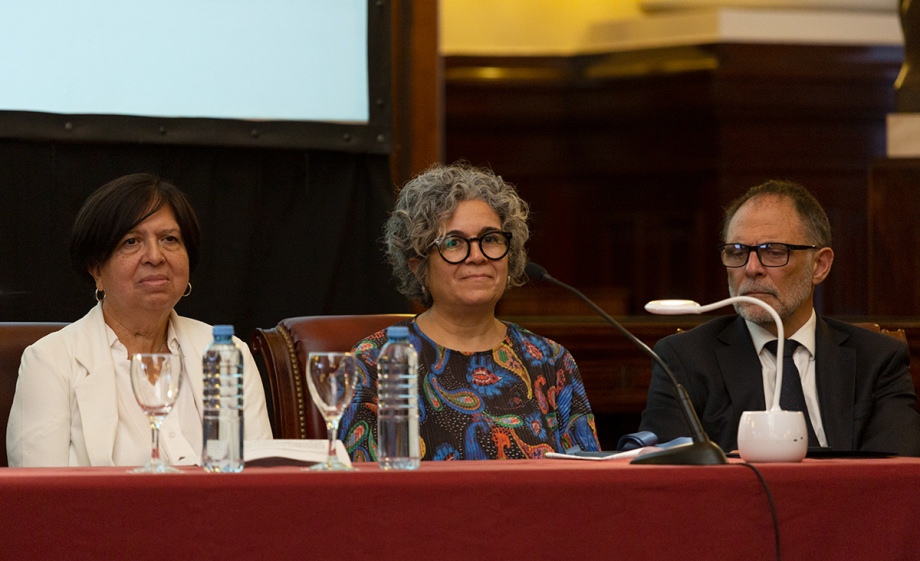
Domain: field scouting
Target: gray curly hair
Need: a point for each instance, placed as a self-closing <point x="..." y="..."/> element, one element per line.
<point x="428" y="201"/>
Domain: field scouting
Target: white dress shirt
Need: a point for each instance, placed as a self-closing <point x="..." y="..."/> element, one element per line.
<point x="804" y="358"/>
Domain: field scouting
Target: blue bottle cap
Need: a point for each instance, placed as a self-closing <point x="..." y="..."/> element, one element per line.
<point x="397" y="332"/>
<point x="223" y="330"/>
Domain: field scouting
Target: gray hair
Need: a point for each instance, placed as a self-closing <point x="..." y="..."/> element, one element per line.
<point x="806" y="205"/>
<point x="428" y="201"/>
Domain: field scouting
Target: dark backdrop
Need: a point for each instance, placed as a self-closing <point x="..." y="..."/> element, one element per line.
<point x="284" y="232"/>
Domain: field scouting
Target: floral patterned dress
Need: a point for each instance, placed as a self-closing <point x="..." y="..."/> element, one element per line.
<point x="520" y="400"/>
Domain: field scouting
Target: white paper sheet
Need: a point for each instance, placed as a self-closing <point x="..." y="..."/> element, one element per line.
<point x="298" y="450"/>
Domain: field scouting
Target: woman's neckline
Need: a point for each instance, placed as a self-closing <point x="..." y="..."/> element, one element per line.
<point x="417" y="329"/>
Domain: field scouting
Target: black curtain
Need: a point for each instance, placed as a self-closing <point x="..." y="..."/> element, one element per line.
<point x="284" y="232"/>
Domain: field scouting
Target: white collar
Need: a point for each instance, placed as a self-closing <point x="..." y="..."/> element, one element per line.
<point x="172" y="342"/>
<point x="805" y="336"/>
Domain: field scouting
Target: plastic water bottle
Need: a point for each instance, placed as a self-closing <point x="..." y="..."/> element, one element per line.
<point x="222" y="450"/>
<point x="397" y="408"/>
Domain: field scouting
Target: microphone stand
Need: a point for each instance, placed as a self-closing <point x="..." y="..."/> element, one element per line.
<point x="701" y="451"/>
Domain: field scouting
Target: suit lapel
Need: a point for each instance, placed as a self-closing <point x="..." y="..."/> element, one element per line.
<point x="95" y="393"/>
<point x="741" y="370"/>
<point x="835" y="379"/>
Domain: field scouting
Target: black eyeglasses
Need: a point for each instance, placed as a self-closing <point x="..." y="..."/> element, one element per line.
<point x="771" y="254"/>
<point x="456" y="249"/>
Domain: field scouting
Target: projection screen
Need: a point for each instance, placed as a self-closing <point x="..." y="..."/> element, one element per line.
<point x="279" y="73"/>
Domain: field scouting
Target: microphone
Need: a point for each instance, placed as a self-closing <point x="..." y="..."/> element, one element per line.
<point x="701" y="450"/>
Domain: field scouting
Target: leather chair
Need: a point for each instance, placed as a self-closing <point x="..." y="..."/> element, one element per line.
<point x="14" y="338"/>
<point x="898" y="334"/>
<point x="284" y="349"/>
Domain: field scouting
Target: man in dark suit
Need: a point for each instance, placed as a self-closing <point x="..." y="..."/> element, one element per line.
<point x="856" y="384"/>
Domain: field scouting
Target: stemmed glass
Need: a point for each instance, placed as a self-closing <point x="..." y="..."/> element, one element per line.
<point x="156" y="379"/>
<point x="331" y="378"/>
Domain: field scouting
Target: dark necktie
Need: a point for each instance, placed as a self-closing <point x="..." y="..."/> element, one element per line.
<point x="791" y="396"/>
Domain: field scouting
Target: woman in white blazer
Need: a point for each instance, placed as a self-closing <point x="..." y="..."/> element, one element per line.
<point x="138" y="238"/>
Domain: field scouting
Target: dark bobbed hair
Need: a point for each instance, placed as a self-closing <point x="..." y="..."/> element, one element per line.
<point x="114" y="209"/>
<point x="817" y="226"/>
<point x="428" y="201"/>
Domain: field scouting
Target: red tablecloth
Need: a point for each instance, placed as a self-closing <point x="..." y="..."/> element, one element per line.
<point x="533" y="509"/>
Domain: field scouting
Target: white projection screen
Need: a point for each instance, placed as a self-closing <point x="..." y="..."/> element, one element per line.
<point x="278" y="73"/>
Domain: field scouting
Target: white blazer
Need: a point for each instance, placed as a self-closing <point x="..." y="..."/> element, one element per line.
<point x="65" y="411"/>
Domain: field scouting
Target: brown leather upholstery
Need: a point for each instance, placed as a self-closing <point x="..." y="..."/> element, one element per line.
<point x="284" y="349"/>
<point x="14" y="338"/>
<point x="898" y="334"/>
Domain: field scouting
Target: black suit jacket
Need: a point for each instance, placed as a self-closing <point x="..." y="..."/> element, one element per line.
<point x="863" y="381"/>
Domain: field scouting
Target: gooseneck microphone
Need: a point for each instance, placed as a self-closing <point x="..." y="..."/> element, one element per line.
<point x="701" y="451"/>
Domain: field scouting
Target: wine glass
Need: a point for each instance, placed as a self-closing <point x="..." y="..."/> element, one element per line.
<point x="331" y="378"/>
<point x="156" y="379"/>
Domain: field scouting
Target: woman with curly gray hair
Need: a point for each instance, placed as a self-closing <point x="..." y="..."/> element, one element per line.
<point x="488" y="389"/>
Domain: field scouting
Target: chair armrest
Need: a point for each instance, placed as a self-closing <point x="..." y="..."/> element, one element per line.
<point x="285" y="381"/>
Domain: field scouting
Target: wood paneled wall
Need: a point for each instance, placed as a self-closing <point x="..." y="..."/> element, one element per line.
<point x="628" y="158"/>
<point x="417" y="89"/>
<point x="894" y="238"/>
